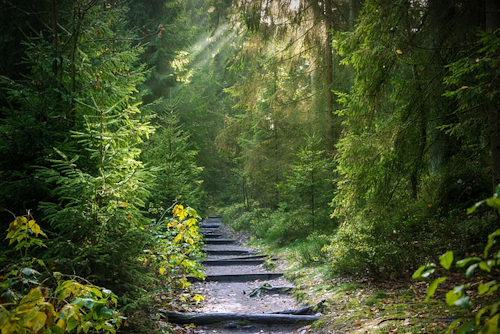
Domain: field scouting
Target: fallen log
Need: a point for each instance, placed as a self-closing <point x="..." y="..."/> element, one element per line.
<point x="304" y="310"/>
<point x="212" y="318"/>
<point x="267" y="288"/>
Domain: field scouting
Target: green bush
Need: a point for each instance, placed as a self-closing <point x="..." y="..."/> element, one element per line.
<point x="58" y="304"/>
<point x="486" y="285"/>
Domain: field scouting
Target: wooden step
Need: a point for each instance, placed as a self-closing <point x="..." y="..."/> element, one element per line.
<point x="232" y="262"/>
<point x="249" y="257"/>
<point x="220" y="241"/>
<point x="227" y="252"/>
<point x="212" y="235"/>
<point x="210" y="230"/>
<point x="236" y="277"/>
<point x="210" y="225"/>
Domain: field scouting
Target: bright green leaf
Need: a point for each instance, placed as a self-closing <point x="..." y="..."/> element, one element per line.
<point x="451" y="297"/>
<point x="486" y="265"/>
<point x="446" y="260"/>
<point x="473" y="208"/>
<point x="424" y="271"/>
<point x="494" y="202"/>
<point x="433" y="286"/>
<point x="464" y="262"/>
<point x="471" y="269"/>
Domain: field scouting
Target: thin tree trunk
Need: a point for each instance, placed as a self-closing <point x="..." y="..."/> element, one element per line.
<point x="55" y="65"/>
<point x="330" y="142"/>
<point x="492" y="22"/>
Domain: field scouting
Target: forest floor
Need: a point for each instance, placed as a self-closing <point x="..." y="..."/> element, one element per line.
<point x="350" y="305"/>
<point x="367" y="305"/>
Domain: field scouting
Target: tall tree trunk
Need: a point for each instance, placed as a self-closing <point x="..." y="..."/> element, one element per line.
<point x="422" y="138"/>
<point x="440" y="149"/>
<point x="330" y="141"/>
<point x="55" y="62"/>
<point x="492" y="22"/>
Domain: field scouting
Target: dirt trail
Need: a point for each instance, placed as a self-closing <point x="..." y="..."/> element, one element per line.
<point x="234" y="272"/>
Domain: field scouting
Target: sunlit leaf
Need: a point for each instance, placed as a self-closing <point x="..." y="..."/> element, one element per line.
<point x="494" y="202"/>
<point x="198" y="298"/>
<point x="424" y="271"/>
<point x="433" y="286"/>
<point x="452" y="297"/>
<point x="446" y="260"/>
<point x="453" y="325"/>
<point x="486" y="265"/>
<point x="38" y="322"/>
<point x="473" y="208"/>
<point x="464" y="262"/>
<point x="471" y="269"/>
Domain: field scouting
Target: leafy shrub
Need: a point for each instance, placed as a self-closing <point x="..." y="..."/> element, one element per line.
<point x="310" y="250"/>
<point x="176" y="253"/>
<point x="487" y="317"/>
<point x="28" y="306"/>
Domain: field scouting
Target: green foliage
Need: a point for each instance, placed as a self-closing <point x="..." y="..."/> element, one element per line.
<point x="100" y="205"/>
<point x="276" y="227"/>
<point x="399" y="171"/>
<point x="309" y="251"/>
<point x="473" y="83"/>
<point x="28" y="306"/>
<point x="306" y="192"/>
<point x="99" y="192"/>
<point x="177" y="174"/>
<point x="486" y="317"/>
<point x="176" y="253"/>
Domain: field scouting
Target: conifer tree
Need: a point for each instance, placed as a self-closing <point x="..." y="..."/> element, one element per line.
<point x="79" y="123"/>
<point x="172" y="154"/>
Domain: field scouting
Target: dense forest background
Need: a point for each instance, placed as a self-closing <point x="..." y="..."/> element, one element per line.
<point x="358" y="131"/>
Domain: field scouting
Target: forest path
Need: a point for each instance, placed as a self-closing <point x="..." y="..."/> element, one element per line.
<point x="241" y="295"/>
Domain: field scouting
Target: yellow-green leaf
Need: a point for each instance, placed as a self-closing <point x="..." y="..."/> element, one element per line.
<point x="446" y="260"/>
<point x="198" y="298"/>
<point x="433" y="286"/>
<point x="38" y="322"/>
<point x="491" y="325"/>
